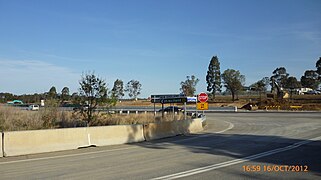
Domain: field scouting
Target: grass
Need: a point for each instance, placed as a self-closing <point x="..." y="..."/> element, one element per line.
<point x="17" y="119"/>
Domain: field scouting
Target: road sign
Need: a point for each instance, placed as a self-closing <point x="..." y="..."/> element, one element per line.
<point x="191" y="99"/>
<point x="169" y="100"/>
<point x="167" y="96"/>
<point x="203" y="97"/>
<point x="202" y="106"/>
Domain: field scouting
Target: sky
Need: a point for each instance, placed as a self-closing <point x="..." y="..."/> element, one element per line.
<point x="45" y="43"/>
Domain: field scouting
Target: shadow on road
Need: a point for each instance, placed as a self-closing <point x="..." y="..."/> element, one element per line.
<point x="240" y="146"/>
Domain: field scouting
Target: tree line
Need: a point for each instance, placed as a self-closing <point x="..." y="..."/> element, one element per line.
<point x="234" y="81"/>
<point x="89" y="82"/>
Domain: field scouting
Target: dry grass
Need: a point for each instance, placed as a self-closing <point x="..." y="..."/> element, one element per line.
<point x="16" y="119"/>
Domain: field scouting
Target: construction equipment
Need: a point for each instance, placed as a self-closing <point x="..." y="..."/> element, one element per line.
<point x="277" y="92"/>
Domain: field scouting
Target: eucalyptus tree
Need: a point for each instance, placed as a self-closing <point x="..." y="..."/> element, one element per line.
<point x="233" y="81"/>
<point x="188" y="87"/>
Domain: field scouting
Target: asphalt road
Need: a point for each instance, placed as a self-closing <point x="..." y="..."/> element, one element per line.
<point x="234" y="146"/>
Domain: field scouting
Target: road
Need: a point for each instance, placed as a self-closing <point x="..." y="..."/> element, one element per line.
<point x="234" y="146"/>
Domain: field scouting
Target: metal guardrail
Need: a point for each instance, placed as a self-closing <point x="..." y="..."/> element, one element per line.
<point x="136" y="110"/>
<point x="188" y="111"/>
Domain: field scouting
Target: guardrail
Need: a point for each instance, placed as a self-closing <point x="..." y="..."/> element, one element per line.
<point x="189" y="111"/>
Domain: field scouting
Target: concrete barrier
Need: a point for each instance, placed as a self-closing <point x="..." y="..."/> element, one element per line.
<point x="1" y="147"/>
<point x="195" y="125"/>
<point x="39" y="141"/>
<point x="110" y="135"/>
<point x="159" y="130"/>
<point x="169" y="129"/>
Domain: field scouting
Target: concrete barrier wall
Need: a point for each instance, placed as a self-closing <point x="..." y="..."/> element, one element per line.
<point x="110" y="135"/>
<point x="159" y="130"/>
<point x="170" y="129"/>
<point x="195" y="125"/>
<point x="1" y="152"/>
<point x="39" y="141"/>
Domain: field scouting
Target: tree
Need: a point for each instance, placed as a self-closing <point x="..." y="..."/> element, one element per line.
<point x="93" y="91"/>
<point x="213" y="77"/>
<point x="188" y="87"/>
<point x="133" y="88"/>
<point x="310" y="79"/>
<point x="261" y="85"/>
<point x="280" y="76"/>
<point x="233" y="81"/>
<point x="318" y="66"/>
<point x="52" y="92"/>
<point x="291" y="84"/>
<point x="65" y="94"/>
<point x="118" y="89"/>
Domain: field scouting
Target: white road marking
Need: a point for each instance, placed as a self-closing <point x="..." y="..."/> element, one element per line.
<point x="236" y="161"/>
<point x="231" y="126"/>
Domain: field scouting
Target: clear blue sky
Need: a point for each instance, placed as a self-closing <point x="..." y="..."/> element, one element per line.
<point x="46" y="43"/>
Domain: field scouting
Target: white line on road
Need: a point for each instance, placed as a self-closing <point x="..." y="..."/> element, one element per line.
<point x="236" y="161"/>
<point x="231" y="126"/>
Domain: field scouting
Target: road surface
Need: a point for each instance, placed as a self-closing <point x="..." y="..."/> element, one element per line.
<point x="234" y="146"/>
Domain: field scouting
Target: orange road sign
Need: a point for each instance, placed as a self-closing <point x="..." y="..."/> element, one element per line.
<point x="202" y="106"/>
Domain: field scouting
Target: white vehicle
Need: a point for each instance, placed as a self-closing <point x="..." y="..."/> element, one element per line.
<point x="302" y="91"/>
<point x="33" y="108"/>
